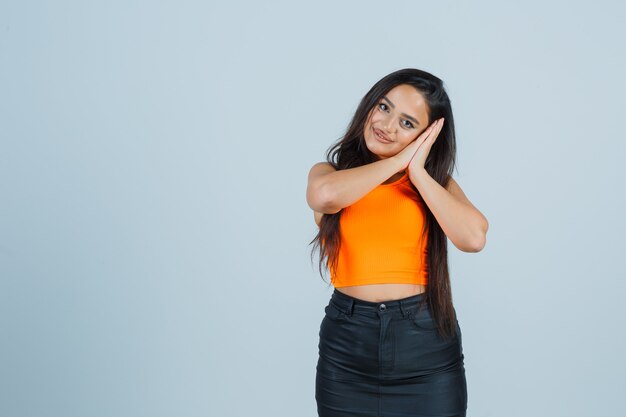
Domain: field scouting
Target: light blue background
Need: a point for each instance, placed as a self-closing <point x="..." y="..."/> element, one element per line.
<point x="154" y="231"/>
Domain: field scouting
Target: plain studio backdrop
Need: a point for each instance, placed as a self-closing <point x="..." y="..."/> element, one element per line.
<point x="154" y="230"/>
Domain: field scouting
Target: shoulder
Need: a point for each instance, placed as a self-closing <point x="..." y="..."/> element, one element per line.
<point x="451" y="183"/>
<point x="317" y="170"/>
<point x="455" y="189"/>
<point x="320" y="168"/>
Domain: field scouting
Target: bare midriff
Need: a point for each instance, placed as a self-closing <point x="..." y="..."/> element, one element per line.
<point x="382" y="292"/>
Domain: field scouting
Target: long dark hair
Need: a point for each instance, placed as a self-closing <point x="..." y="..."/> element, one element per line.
<point x="350" y="151"/>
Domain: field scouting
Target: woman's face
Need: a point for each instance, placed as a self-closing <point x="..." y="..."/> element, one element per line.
<point x="400" y="116"/>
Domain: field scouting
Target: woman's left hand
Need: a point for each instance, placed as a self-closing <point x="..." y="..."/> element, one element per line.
<point x="419" y="157"/>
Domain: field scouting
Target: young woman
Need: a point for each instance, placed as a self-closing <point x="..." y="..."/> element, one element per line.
<point x="386" y="203"/>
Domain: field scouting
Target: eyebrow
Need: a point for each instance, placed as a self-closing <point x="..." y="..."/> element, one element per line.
<point x="404" y="114"/>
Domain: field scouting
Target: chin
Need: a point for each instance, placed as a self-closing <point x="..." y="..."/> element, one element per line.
<point x="377" y="155"/>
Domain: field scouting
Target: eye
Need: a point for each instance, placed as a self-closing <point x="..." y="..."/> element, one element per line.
<point x="382" y="104"/>
<point x="409" y="124"/>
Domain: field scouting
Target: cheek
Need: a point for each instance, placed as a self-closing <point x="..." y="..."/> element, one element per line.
<point x="375" y="117"/>
<point x="367" y="128"/>
<point x="406" y="139"/>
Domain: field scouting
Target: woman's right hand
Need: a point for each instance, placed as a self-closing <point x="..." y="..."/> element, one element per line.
<point x="406" y="154"/>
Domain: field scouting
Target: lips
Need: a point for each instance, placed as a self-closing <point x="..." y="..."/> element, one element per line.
<point x="381" y="136"/>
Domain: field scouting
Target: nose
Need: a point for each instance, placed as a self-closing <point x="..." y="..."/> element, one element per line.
<point x="389" y="123"/>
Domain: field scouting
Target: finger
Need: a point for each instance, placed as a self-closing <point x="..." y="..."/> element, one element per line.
<point x="428" y="129"/>
<point x="435" y="133"/>
<point x="432" y="128"/>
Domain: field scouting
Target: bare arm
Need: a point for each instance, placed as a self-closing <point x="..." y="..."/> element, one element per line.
<point x="329" y="191"/>
<point x="459" y="219"/>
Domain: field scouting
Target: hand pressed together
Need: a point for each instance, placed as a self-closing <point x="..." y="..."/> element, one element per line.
<point x="413" y="156"/>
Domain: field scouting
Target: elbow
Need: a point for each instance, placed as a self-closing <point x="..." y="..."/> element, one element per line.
<point x="478" y="245"/>
<point x="474" y="241"/>
<point x="480" y="241"/>
<point x="472" y="246"/>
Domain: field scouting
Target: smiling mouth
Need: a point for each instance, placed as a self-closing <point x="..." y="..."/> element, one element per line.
<point x="380" y="137"/>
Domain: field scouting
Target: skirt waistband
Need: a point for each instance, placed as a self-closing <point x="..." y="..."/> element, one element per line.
<point x="349" y="304"/>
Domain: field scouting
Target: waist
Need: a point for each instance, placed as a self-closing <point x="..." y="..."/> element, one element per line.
<point x="351" y="305"/>
<point x="376" y="293"/>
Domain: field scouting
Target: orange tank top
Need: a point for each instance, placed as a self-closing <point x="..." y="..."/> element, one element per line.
<point x="381" y="238"/>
